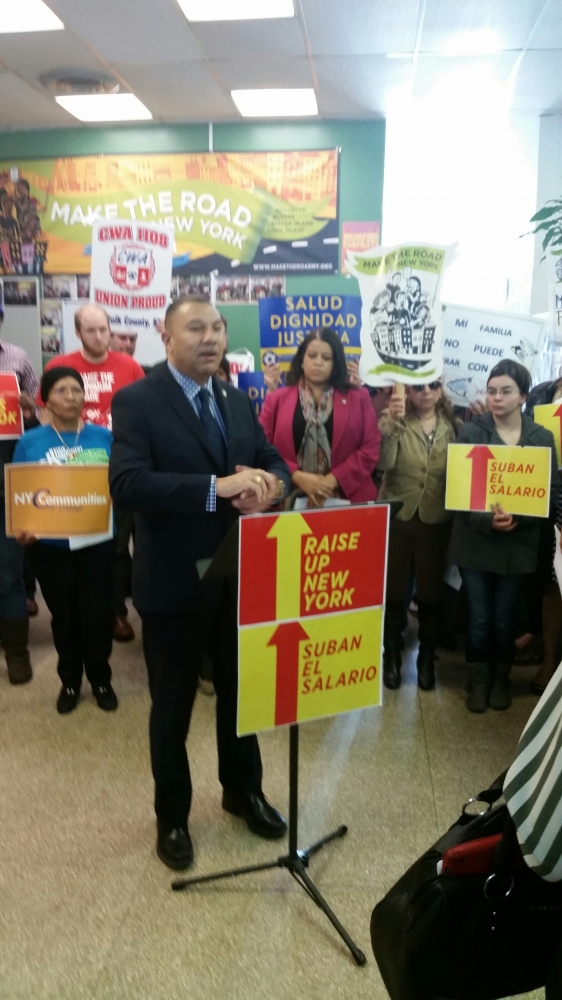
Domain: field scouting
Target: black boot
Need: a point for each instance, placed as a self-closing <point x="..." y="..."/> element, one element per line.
<point x="15" y="634"/>
<point x="429" y="619"/>
<point x="392" y="662"/>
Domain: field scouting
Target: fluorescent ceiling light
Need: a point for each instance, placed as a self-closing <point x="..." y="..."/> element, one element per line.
<point x="275" y="103"/>
<point x="399" y="55"/>
<point x="105" y="107"/>
<point x="236" y="10"/>
<point x="28" y="15"/>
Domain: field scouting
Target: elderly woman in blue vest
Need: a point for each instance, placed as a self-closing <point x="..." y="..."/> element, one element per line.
<point x="495" y="550"/>
<point x="77" y="582"/>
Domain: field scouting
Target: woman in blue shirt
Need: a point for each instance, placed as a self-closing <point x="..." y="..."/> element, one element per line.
<point x="76" y="577"/>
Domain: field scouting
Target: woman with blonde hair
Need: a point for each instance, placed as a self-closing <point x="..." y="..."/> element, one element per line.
<point x="417" y="429"/>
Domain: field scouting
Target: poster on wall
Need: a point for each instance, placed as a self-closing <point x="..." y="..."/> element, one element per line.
<point x="401" y="312"/>
<point x="358" y="236"/>
<point x="474" y="340"/>
<point x="131" y="278"/>
<point x="286" y="321"/>
<point x="261" y="213"/>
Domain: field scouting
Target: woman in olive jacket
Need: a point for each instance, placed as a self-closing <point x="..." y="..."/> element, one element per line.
<point x="416" y="432"/>
<point x="494" y="551"/>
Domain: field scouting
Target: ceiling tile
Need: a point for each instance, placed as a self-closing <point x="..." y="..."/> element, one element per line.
<point x="359" y="86"/>
<point x="442" y="76"/>
<point x="361" y="27"/>
<point x="181" y="92"/>
<point x="263" y="71"/>
<point x="538" y="85"/>
<point x="23" y="107"/>
<point x="511" y="20"/>
<point x="227" y="40"/>
<point x="138" y="31"/>
<point x="548" y="34"/>
<point x="34" y="53"/>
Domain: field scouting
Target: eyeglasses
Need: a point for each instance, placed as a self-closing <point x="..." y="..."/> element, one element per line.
<point x="430" y="385"/>
<point x="502" y="392"/>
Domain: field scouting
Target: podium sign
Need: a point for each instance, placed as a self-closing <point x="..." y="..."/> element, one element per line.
<point x="310" y="614"/>
<point x="57" y="501"/>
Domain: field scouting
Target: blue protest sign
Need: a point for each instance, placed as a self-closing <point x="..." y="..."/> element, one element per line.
<point x="253" y="384"/>
<point x="286" y="321"/>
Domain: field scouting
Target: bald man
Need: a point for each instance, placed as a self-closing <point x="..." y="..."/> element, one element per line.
<point x="105" y="372"/>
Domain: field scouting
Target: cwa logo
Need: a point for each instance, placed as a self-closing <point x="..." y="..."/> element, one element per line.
<point x="132" y="266"/>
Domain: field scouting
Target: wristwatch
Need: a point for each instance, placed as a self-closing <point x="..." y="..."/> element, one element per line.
<point x="281" y="491"/>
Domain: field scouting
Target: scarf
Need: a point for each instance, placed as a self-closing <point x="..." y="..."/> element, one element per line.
<point x="315" y="453"/>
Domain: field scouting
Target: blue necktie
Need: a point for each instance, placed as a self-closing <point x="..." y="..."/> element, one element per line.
<point x="211" y="427"/>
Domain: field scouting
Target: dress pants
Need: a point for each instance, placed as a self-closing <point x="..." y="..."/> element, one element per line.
<point x="78" y="590"/>
<point x="174" y="646"/>
<point x="12" y="590"/>
<point x="124" y="526"/>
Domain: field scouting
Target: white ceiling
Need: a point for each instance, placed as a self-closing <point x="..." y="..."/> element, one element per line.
<point x="185" y="72"/>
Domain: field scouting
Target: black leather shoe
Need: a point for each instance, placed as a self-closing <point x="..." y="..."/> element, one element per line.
<point x="67" y="700"/>
<point x="105" y="697"/>
<point x="426" y="669"/>
<point x="174" y="847"/>
<point x="261" y="818"/>
<point x="391" y="669"/>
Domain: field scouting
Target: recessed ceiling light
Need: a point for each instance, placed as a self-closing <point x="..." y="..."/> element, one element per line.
<point x="28" y="15"/>
<point x="105" y="107"/>
<point x="275" y="103"/>
<point x="236" y="10"/>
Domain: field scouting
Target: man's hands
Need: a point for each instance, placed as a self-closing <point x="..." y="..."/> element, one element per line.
<point x="502" y="521"/>
<point x="251" y="490"/>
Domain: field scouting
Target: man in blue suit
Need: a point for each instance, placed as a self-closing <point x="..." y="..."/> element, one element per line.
<point x="188" y="457"/>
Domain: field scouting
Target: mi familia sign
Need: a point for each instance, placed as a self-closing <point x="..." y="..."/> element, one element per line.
<point x="57" y="501"/>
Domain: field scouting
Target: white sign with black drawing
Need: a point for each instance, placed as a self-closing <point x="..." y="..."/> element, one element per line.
<point x="474" y="340"/>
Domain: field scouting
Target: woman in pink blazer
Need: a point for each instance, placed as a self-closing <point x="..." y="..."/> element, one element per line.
<point x="323" y="426"/>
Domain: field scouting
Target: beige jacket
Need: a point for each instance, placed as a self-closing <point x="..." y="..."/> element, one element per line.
<point x="412" y="473"/>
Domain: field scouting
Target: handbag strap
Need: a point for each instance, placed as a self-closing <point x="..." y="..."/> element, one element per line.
<point x="489" y="796"/>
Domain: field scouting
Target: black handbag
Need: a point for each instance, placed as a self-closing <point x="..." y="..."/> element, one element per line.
<point x="468" y="937"/>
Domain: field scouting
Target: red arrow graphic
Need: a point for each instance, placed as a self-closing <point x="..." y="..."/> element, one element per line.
<point x="480" y="456"/>
<point x="558" y="413"/>
<point x="287" y="638"/>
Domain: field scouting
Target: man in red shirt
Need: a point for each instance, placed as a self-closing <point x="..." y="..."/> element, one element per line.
<point x="105" y="372"/>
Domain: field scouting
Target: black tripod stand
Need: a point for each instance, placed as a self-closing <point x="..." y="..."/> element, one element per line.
<point x="296" y="862"/>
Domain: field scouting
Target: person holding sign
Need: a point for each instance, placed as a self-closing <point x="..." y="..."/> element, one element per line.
<point x="76" y="582"/>
<point x="323" y="426"/>
<point x="14" y="619"/>
<point x="495" y="550"/>
<point x="188" y="457"/>
<point x="416" y="432"/>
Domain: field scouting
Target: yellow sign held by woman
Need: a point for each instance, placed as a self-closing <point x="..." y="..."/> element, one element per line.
<point x="57" y="501"/>
<point x="517" y="478"/>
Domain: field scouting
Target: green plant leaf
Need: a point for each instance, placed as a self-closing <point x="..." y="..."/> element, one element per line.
<point x="546" y="213"/>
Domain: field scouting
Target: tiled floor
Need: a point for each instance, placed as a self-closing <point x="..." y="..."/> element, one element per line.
<point x="86" y="911"/>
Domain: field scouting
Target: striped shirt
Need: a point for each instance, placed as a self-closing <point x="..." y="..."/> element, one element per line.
<point x="533" y="785"/>
<point x="15" y="359"/>
<point x="190" y="390"/>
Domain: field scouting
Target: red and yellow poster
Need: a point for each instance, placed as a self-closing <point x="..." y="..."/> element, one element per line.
<point x="310" y="614"/>
<point x="516" y="478"/>
<point x="357" y="237"/>
<point x="57" y="501"/>
<point x="261" y="213"/>
<point x="549" y="415"/>
<point x="11" y="423"/>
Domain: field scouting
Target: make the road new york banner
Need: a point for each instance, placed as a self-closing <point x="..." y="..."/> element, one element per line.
<point x="401" y="312"/>
<point x="516" y="478"/>
<point x="310" y="614"/>
<point x="236" y="213"/>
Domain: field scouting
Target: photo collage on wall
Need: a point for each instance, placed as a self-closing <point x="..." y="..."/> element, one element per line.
<point x="55" y="289"/>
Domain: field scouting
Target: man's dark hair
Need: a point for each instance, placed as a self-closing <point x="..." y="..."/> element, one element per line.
<point x="185" y="300"/>
<point x="339" y="379"/>
<point x="515" y="371"/>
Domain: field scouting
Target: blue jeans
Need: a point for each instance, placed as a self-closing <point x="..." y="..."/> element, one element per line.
<point x="492" y="615"/>
<point x="12" y="590"/>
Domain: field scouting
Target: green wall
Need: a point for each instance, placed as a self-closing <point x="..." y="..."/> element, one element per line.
<point x="361" y="179"/>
